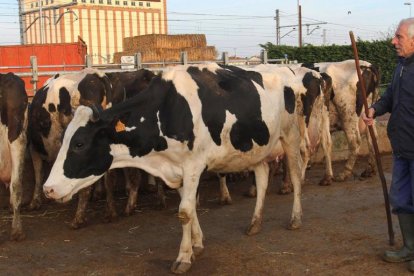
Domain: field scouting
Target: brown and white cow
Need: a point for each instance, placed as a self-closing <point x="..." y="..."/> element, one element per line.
<point x="189" y="119"/>
<point x="52" y="109"/>
<point x="13" y="143"/>
<point x="346" y="107"/>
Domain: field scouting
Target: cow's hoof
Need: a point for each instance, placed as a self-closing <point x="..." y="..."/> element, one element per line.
<point x="180" y="267"/>
<point x="285" y="190"/>
<point x="198" y="250"/>
<point x="226" y="201"/>
<point x="342" y="177"/>
<point x="129" y="211"/>
<point x="366" y="174"/>
<point x="17" y="235"/>
<point x="294" y="224"/>
<point x="110" y="217"/>
<point x="35" y="204"/>
<point x="252" y="192"/>
<point x="78" y="223"/>
<point x="253" y="229"/>
<point x="326" y="181"/>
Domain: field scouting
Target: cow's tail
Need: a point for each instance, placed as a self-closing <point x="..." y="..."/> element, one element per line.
<point x="376" y="82"/>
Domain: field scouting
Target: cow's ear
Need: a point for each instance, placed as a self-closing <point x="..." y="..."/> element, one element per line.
<point x="96" y="111"/>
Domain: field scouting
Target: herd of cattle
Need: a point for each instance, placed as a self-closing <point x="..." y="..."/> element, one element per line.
<point x="176" y="125"/>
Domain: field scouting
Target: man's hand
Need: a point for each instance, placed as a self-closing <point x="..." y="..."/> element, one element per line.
<point x="369" y="121"/>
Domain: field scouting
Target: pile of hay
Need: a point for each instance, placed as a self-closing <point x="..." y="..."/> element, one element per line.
<point x="167" y="48"/>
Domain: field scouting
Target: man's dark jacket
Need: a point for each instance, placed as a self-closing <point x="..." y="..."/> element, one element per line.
<point x="398" y="99"/>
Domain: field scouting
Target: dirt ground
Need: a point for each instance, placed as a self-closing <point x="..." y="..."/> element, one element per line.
<point x="344" y="233"/>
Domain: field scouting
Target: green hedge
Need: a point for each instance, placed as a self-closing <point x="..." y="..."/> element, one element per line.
<point x="380" y="53"/>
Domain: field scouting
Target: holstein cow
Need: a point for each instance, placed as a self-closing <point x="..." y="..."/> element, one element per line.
<point x="311" y="94"/>
<point x="52" y="109"/>
<point x="13" y="142"/>
<point x="346" y="107"/>
<point x="189" y="119"/>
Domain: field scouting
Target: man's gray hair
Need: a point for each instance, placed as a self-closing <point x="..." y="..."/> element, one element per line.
<point x="410" y="23"/>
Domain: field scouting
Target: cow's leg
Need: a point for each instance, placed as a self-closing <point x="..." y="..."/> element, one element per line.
<point x="285" y="186"/>
<point x="225" y="198"/>
<point x="17" y="148"/>
<point x="261" y="173"/>
<point x="370" y="170"/>
<point x="188" y="218"/>
<point x="162" y="199"/>
<point x="80" y="216"/>
<point x="109" y="182"/>
<point x="353" y="136"/>
<point x="37" y="161"/>
<point x="133" y="176"/>
<point x="326" y="141"/>
<point x="294" y="163"/>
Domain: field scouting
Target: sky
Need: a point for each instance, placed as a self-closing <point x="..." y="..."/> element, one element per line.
<point x="238" y="27"/>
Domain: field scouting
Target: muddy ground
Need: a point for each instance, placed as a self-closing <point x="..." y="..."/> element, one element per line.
<point x="344" y="233"/>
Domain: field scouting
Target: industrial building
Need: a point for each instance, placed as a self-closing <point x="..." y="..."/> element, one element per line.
<point x="102" y="24"/>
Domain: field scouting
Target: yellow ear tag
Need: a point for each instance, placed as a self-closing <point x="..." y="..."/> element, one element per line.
<point x="119" y="126"/>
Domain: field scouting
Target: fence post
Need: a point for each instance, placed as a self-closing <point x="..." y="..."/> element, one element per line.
<point x="88" y="60"/>
<point x="184" y="58"/>
<point x="225" y="58"/>
<point x="138" y="61"/>
<point x="35" y="76"/>
<point x="263" y="56"/>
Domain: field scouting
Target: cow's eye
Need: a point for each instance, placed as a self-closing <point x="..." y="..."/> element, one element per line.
<point x="78" y="145"/>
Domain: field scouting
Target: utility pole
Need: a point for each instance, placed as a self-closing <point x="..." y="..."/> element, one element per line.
<point x="277" y="18"/>
<point x="324" y="37"/>
<point x="41" y="21"/>
<point x="300" y="24"/>
<point x="21" y="22"/>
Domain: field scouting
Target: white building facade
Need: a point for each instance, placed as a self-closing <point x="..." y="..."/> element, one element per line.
<point x="102" y="24"/>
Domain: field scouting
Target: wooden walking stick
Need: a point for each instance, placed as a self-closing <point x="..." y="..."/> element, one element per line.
<point x="374" y="142"/>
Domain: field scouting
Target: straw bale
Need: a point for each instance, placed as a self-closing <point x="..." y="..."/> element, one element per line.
<point x="161" y="41"/>
<point x="168" y="55"/>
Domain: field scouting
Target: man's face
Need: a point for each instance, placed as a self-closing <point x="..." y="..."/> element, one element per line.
<point x="403" y="43"/>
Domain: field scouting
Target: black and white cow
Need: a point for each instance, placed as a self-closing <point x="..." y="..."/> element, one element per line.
<point x="52" y="109"/>
<point x="311" y="93"/>
<point x="13" y="142"/>
<point x="346" y="107"/>
<point x="189" y="119"/>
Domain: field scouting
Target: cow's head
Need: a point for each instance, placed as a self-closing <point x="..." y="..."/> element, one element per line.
<point x="83" y="158"/>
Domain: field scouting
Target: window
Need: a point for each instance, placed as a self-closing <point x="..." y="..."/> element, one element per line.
<point x="100" y="1"/>
<point x="125" y="3"/>
<point x="92" y="1"/>
<point x="141" y="4"/>
<point x="37" y="4"/>
<point x="83" y="1"/>
<point x="133" y="3"/>
<point x="116" y="2"/>
<point x="47" y="2"/>
<point x="148" y="4"/>
<point x="51" y="1"/>
<point x="31" y="5"/>
<point x="109" y="2"/>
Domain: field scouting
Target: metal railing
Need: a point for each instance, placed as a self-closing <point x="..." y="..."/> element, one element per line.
<point x="34" y="71"/>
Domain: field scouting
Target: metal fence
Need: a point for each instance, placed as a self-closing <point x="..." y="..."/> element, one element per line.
<point x="34" y="71"/>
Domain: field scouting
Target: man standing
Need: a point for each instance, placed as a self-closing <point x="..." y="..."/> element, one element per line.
<point x="398" y="99"/>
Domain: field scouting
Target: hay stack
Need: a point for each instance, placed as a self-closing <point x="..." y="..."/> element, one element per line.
<point x="160" y="41"/>
<point x="167" y="48"/>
